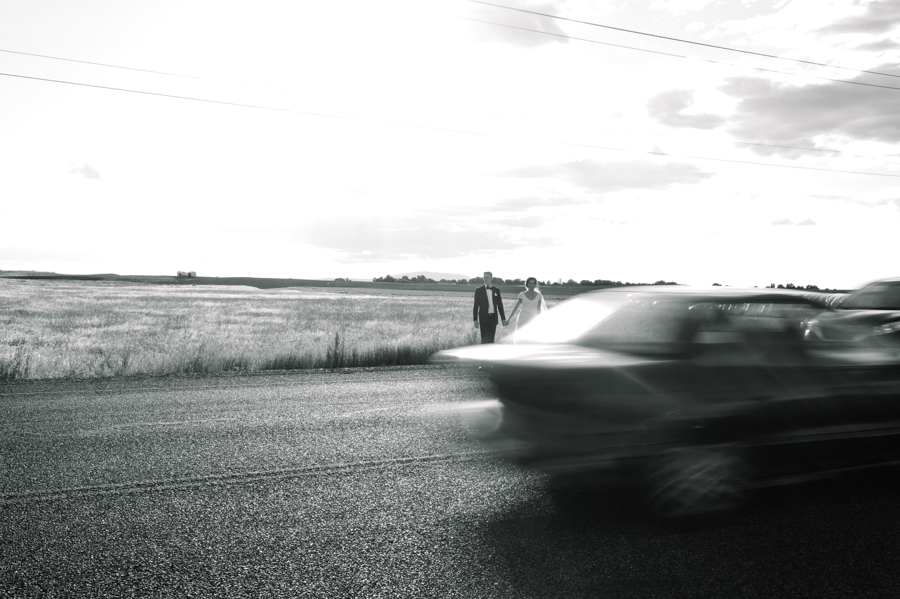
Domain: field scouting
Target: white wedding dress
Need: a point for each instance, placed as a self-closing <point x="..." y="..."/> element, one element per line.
<point x="529" y="308"/>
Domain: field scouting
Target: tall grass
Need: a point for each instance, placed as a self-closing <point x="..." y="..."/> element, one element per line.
<point x="69" y="329"/>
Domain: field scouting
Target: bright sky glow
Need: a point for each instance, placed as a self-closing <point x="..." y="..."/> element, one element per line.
<point x="409" y="135"/>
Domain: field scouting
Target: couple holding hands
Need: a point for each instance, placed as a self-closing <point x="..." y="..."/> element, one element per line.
<point x="488" y="304"/>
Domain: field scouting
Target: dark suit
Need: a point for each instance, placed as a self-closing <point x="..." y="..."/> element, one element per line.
<point x="480" y="313"/>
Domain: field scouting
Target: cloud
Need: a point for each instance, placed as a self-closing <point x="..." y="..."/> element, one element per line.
<point x="879" y="46"/>
<point x="786" y="221"/>
<point x="378" y="238"/>
<point x="779" y="113"/>
<point x="680" y="6"/>
<point x="524" y="222"/>
<point x="599" y="177"/>
<point x="521" y="204"/>
<point x="669" y="106"/>
<point x="878" y="17"/>
<point x="517" y="22"/>
<point x="893" y="201"/>
<point x="865" y="203"/>
<point x="85" y="169"/>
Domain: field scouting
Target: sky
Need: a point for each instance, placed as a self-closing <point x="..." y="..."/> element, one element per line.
<point x="739" y="142"/>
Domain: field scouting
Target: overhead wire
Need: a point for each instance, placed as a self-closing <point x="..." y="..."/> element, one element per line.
<point x="680" y="40"/>
<point x="239" y="104"/>
<point x="194" y="77"/>
<point x="137" y="91"/>
<point x="344" y="117"/>
<point x="428" y="127"/>
<point x="631" y="31"/>
<point x="140" y="70"/>
<point x="99" y="64"/>
<point x="672" y="54"/>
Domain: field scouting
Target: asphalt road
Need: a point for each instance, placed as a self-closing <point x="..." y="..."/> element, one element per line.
<point x="362" y="484"/>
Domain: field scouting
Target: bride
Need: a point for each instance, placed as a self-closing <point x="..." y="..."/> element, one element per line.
<point x="530" y="303"/>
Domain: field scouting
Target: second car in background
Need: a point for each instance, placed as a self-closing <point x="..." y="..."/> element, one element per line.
<point x="866" y="322"/>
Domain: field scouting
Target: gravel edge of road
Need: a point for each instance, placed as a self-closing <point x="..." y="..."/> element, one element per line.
<point x="229" y="375"/>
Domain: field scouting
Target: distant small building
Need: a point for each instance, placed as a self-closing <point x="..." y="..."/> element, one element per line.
<point x="182" y="274"/>
<point x="186" y="274"/>
<point x="192" y="274"/>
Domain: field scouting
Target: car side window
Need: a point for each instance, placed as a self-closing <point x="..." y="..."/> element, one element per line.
<point x="641" y="326"/>
<point x="874" y="297"/>
<point x="750" y="334"/>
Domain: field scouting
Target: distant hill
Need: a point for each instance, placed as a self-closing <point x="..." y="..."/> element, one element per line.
<point x="437" y="276"/>
<point x="31" y="274"/>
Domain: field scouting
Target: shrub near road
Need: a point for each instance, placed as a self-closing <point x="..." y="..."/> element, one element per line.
<point x="80" y="329"/>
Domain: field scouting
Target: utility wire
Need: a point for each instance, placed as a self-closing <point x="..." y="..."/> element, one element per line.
<point x="748" y="143"/>
<point x="167" y="73"/>
<point x="660" y="52"/>
<point x="99" y="64"/>
<point x="683" y="41"/>
<point x="431" y="128"/>
<point x="332" y="116"/>
<point x="140" y="70"/>
<point x="581" y="39"/>
<point x="137" y="91"/>
<point x="242" y="105"/>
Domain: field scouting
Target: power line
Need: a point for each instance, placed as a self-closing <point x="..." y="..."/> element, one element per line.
<point x="140" y="70"/>
<point x="99" y="64"/>
<point x="114" y="66"/>
<point x="674" y="55"/>
<point x="683" y="41"/>
<point x="240" y="104"/>
<point x="461" y="131"/>
<point x="569" y="37"/>
<point x="137" y="91"/>
<point x="581" y="39"/>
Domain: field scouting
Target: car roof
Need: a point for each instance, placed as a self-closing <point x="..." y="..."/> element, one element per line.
<point x="715" y="294"/>
<point x="890" y="280"/>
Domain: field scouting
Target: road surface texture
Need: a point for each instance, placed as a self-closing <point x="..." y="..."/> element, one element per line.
<point x="362" y="484"/>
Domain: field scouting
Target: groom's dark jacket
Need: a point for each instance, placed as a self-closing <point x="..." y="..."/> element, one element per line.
<point x="480" y="309"/>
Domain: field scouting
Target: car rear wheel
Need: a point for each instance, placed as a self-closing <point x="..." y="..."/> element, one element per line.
<point x="697" y="481"/>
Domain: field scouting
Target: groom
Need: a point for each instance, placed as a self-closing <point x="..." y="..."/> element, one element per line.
<point x="488" y="304"/>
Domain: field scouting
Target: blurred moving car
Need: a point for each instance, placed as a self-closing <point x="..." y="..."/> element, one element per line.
<point x="867" y="319"/>
<point x="697" y="396"/>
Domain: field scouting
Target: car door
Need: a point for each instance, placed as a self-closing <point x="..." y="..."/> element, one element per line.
<point x="758" y="386"/>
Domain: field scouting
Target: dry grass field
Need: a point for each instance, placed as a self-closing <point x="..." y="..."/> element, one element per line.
<point x="86" y="329"/>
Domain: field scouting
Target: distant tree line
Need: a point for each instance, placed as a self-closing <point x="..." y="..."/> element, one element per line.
<point x="500" y="281"/>
<point x="799" y="287"/>
<point x="418" y="279"/>
<point x="584" y="282"/>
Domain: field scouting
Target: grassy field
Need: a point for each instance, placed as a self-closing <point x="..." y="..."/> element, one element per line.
<point x="86" y="329"/>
